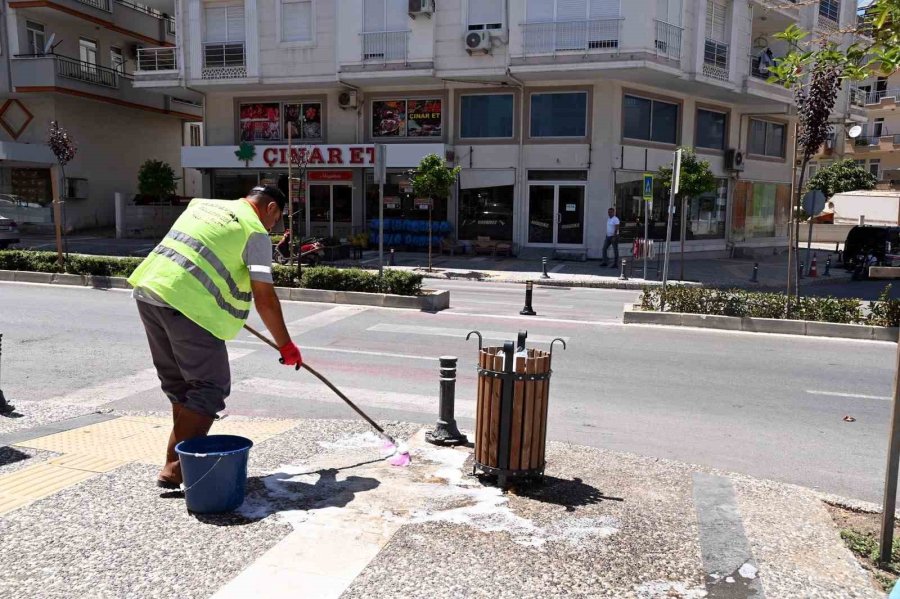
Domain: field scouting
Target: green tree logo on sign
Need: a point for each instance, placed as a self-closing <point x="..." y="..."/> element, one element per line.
<point x="246" y="152"/>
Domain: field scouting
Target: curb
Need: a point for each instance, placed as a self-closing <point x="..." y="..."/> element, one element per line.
<point x="761" y="325"/>
<point x="431" y="301"/>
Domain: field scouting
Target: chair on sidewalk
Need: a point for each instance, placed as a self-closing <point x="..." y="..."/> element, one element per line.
<point x="451" y="246"/>
<point x="485" y="245"/>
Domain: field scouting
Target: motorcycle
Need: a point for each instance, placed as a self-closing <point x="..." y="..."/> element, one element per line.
<point x="312" y="250"/>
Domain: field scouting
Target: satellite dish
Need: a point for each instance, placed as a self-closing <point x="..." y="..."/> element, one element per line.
<point x="854" y="131"/>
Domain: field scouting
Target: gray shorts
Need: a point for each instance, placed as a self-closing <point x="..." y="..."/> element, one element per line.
<point x="192" y="364"/>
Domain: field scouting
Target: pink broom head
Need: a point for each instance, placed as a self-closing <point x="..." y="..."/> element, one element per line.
<point x="401" y="458"/>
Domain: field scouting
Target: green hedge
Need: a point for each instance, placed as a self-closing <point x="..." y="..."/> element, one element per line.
<point x="738" y="302"/>
<point x="315" y="277"/>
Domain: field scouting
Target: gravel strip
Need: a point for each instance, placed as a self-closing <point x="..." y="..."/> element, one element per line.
<point x="29" y="414"/>
<point x="16" y="458"/>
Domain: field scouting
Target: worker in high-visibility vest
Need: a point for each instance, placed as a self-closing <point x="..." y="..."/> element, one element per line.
<point x="194" y="292"/>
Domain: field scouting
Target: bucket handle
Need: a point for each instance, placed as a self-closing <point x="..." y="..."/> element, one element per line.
<point x="480" y="338"/>
<point x="563" y="341"/>
<point x="205" y="474"/>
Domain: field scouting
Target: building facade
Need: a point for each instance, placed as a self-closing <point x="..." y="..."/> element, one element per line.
<point x="73" y="61"/>
<point x="554" y="110"/>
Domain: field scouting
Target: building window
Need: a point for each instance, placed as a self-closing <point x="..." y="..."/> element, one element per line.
<point x="194" y="132"/>
<point x="650" y="120"/>
<point x="766" y="139"/>
<point x="117" y="59"/>
<point x="224" y="36"/>
<point x="35" y="37"/>
<point x="486" y="212"/>
<point x="485" y="14"/>
<point x="875" y="167"/>
<point x="878" y="127"/>
<point x="262" y="121"/>
<point x="407" y="118"/>
<point x="385" y="15"/>
<point x="813" y="168"/>
<point x="830" y="9"/>
<point x="562" y="114"/>
<point x="486" y="116"/>
<point x="87" y="51"/>
<point x="296" y="20"/>
<point x="711" y="129"/>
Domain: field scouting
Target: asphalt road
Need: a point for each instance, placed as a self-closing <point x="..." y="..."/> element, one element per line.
<point x="765" y="405"/>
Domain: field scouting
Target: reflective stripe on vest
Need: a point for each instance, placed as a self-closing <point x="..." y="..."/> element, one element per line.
<point x="213" y="260"/>
<point x="208" y="284"/>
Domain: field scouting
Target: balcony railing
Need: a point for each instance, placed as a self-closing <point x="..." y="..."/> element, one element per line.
<point x="875" y="97"/>
<point x="98" y="4"/>
<point x="157" y="59"/>
<point x="224" y="60"/>
<point x="755" y="70"/>
<point x="572" y="36"/>
<point x="715" y="60"/>
<point x="668" y="39"/>
<point x="87" y="72"/>
<point x="385" y="46"/>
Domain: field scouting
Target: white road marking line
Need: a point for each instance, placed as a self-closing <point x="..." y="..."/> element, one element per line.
<point x="539" y="319"/>
<point x="458" y="333"/>
<point x="370" y="397"/>
<point x="853" y="395"/>
<point x="323" y="319"/>
<point x="120" y="387"/>
<point x="380" y="354"/>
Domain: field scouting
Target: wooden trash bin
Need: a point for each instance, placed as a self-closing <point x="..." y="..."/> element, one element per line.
<point x="511" y="414"/>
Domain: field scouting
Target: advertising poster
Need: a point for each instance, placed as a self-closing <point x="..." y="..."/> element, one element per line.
<point x="389" y="118"/>
<point x="423" y="118"/>
<point x="260" y="121"/>
<point x="304" y="121"/>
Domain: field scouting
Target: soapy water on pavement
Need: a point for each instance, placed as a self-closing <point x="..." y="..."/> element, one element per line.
<point x="438" y="485"/>
<point x="674" y="590"/>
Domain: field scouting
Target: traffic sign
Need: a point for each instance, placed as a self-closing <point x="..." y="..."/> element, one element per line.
<point x="648" y="187"/>
<point x="813" y="202"/>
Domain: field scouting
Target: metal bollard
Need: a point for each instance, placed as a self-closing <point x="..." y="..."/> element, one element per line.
<point x="445" y="430"/>
<point x="544" y="274"/>
<point x="622" y="275"/>
<point x="529" y="290"/>
<point x="391" y="258"/>
<point x="755" y="277"/>
<point x="827" y="272"/>
<point x="840" y="256"/>
<point x="802" y="270"/>
<point x="5" y="407"/>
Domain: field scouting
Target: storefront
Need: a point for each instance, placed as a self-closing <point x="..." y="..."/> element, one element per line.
<point x="486" y="204"/>
<point x="556" y="208"/>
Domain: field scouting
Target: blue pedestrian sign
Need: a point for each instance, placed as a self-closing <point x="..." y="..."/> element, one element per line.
<point x="648" y="188"/>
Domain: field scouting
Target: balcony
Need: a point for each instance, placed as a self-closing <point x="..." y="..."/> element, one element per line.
<point x="224" y="60"/>
<point x="886" y="98"/>
<point x="385" y="46"/>
<point x="62" y="73"/>
<point x="668" y="40"/>
<point x="138" y="21"/>
<point x="156" y="61"/>
<point x="99" y="4"/>
<point x="594" y="35"/>
<point x="715" y="60"/>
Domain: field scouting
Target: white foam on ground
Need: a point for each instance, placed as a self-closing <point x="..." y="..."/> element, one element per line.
<point x="748" y="570"/>
<point x="662" y="588"/>
<point x="359" y="441"/>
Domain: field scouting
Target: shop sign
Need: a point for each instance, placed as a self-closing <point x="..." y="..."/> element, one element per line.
<point x="330" y="175"/>
<point x="571" y="207"/>
<point x="392" y="203"/>
<point x="362" y="155"/>
<point x="423" y="203"/>
<point x="407" y="118"/>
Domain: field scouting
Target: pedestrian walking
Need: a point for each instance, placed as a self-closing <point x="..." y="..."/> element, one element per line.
<point x="194" y="292"/>
<point x="612" y="238"/>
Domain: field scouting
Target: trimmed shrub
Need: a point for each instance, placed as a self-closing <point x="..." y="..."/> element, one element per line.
<point x="77" y="264"/>
<point x="886" y="311"/>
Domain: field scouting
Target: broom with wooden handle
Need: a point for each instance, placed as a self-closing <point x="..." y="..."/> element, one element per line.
<point x="400" y="457"/>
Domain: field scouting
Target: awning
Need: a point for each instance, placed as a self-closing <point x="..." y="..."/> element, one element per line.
<point x="474" y="178"/>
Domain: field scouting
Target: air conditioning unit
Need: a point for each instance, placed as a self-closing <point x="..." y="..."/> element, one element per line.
<point x="478" y="42"/>
<point x="348" y="99"/>
<point x="734" y="160"/>
<point x="421" y="7"/>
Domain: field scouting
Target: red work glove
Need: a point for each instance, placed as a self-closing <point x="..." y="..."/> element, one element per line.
<point x="290" y="355"/>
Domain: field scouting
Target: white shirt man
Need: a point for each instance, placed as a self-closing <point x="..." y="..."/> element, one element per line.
<point x="612" y="238"/>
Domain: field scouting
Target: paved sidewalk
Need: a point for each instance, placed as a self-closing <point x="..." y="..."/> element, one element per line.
<point x="325" y="516"/>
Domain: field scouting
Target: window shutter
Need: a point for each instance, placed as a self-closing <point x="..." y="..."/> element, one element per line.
<point x="571" y="10"/>
<point x="397" y="17"/>
<point x="373" y="15"/>
<point x="716" y="21"/>
<point x="669" y="11"/>
<point x="484" y="12"/>
<point x="604" y="9"/>
<point x="216" y="28"/>
<point x="296" y="21"/>
<point x="538" y="11"/>
<point x="236" y="23"/>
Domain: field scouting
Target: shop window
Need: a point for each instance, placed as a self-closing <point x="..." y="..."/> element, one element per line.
<point x="303" y="121"/>
<point x="231" y="186"/>
<point x="766" y="139"/>
<point x="261" y="121"/>
<point x="485" y="14"/>
<point x="760" y="209"/>
<point x="407" y="118"/>
<point x="486" y="212"/>
<point x="650" y="120"/>
<point x="296" y="20"/>
<point x="559" y="114"/>
<point x="711" y="129"/>
<point x="26" y="185"/>
<point x="486" y="116"/>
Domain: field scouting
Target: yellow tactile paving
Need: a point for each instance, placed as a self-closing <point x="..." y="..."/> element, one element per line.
<point x="104" y="446"/>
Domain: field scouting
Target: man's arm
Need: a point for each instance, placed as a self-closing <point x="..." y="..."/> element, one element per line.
<point x="269" y="308"/>
<point x="617" y="226"/>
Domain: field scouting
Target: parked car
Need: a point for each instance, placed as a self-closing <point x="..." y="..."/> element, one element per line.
<point x="874" y="240"/>
<point x="9" y="232"/>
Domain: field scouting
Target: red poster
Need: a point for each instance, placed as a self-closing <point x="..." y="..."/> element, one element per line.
<point x="330" y="175"/>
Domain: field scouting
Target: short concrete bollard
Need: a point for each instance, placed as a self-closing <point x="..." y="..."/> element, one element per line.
<point x="445" y="430"/>
<point x="529" y="291"/>
<point x="544" y="274"/>
<point x="755" y="277"/>
<point x="622" y="275"/>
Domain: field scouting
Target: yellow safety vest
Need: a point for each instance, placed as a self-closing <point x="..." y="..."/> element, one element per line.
<point x="198" y="268"/>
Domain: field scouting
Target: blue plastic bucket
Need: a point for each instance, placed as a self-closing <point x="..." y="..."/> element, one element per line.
<point x="214" y="469"/>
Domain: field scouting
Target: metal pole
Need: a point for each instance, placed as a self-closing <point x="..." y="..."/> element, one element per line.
<point x="445" y="430"/>
<point x="506" y="409"/>
<point x="290" y="199"/>
<point x="809" y="242"/>
<point x="381" y="229"/>
<point x="544" y="274"/>
<point x="672" y="191"/>
<point x="5" y="407"/>
<point x="622" y="276"/>
<point x="528" y="310"/>
<point x="645" y="250"/>
<point x="890" y="476"/>
<point x="755" y="278"/>
<point x="683" y="236"/>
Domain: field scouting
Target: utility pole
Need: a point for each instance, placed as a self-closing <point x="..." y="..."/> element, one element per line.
<point x="380" y="176"/>
<point x="890" y="475"/>
<point x="673" y="191"/>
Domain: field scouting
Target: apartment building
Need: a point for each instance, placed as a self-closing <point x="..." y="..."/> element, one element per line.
<point x="73" y="61"/>
<point x="554" y="109"/>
